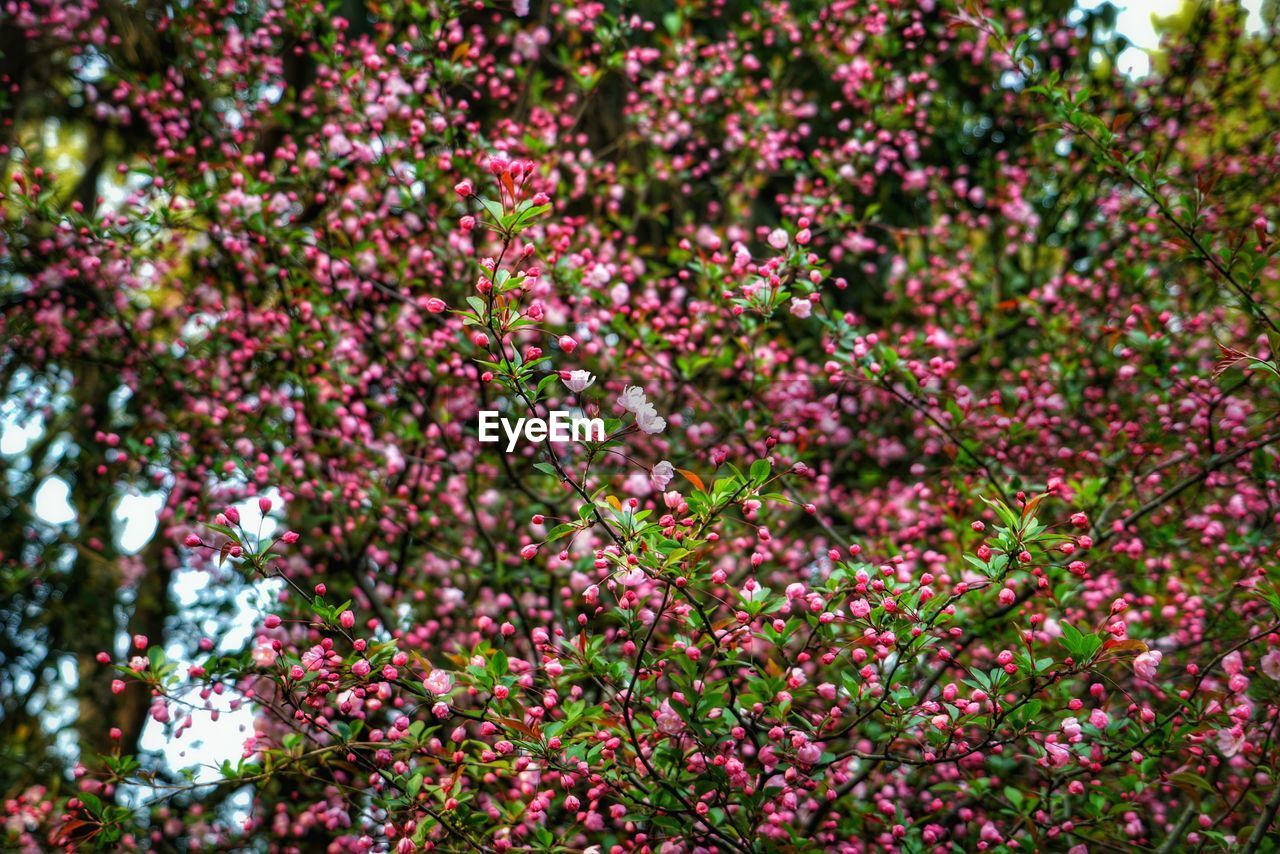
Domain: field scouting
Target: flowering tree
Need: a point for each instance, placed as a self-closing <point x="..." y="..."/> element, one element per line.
<point x="936" y="498"/>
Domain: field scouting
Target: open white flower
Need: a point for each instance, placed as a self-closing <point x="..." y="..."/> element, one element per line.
<point x="632" y="398"/>
<point x="579" y="381"/>
<point x="662" y="474"/>
<point x="648" y="419"/>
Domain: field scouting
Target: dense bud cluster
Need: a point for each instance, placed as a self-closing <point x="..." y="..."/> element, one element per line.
<point x="936" y="504"/>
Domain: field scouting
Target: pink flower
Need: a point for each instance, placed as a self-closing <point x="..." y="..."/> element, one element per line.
<point x="1230" y="741"/>
<point x="347" y="619"/>
<point x="313" y="659"/>
<point x="1145" y="664"/>
<point x="529" y="552"/>
<point x="633" y="577"/>
<point x="1271" y="665"/>
<point x="661" y="475"/>
<point x="438" y="682"/>
<point x="264" y="655"/>
<point x="778" y="239"/>
<point x="809" y="753"/>
<point x="1056" y="755"/>
<point x="568" y="343"/>
<point x="339" y="145"/>
<point x="463" y="189"/>
<point x="667" y="719"/>
<point x="435" y="305"/>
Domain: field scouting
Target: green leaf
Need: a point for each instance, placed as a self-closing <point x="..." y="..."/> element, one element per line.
<point x="559" y="531"/>
<point x="223" y="529"/>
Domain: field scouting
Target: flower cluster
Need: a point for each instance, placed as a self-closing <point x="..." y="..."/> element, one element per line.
<point x="936" y="499"/>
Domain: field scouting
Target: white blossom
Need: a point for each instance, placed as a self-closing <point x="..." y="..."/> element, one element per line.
<point x="579" y="381"/>
<point x="632" y="398"/>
